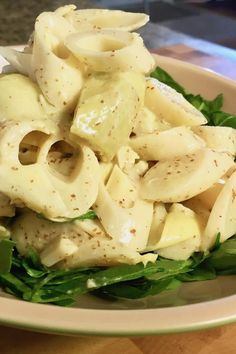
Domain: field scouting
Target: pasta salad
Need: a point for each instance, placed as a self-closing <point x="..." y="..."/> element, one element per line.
<point x="114" y="179"/>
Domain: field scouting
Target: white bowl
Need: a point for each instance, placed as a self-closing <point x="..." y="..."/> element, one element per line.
<point x="193" y="306"/>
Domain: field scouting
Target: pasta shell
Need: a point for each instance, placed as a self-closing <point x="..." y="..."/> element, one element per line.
<point x="111" y="50"/>
<point x="59" y="75"/>
<point x="106" y="19"/>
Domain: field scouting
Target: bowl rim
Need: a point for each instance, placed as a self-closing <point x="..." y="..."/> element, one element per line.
<point x="210" y="73"/>
<point x="75" y="321"/>
<point x="126" y="322"/>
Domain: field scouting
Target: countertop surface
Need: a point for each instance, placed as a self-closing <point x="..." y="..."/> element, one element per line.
<point x="216" y="341"/>
<point x="17" y="21"/>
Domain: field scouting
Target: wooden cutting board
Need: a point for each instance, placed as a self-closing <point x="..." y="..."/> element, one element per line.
<point x="215" y="341"/>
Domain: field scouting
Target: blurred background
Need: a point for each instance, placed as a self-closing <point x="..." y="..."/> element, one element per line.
<point x="172" y="21"/>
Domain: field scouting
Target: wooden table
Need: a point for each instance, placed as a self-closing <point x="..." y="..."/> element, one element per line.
<point x="216" y="341"/>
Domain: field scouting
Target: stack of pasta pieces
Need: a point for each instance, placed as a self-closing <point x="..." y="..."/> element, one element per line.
<point x="83" y="126"/>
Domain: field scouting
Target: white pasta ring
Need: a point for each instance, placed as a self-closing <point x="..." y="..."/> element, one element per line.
<point x="110" y="50"/>
<point x="47" y="188"/>
<point x="75" y="176"/>
<point x="105" y="19"/>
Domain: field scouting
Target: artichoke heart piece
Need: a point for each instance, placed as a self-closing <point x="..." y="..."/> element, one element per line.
<point x="181" y="224"/>
<point x="183" y="250"/>
<point x="105" y="116"/>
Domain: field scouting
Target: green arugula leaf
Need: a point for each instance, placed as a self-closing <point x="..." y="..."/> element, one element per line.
<point x="108" y="276"/>
<point x="17" y="287"/>
<point x="32" y="272"/>
<point x="152" y="271"/>
<point x="6" y="249"/>
<point x="217" y="103"/>
<point x="224" y="119"/>
<point x="32" y="265"/>
<point x="224" y="258"/>
<point x="164" y="77"/>
<point x="132" y="290"/>
<point x="198" y="274"/>
<point x="168" y="268"/>
<point x="217" y="242"/>
<point x="91" y="215"/>
<point x="31" y="281"/>
<point x="38" y="284"/>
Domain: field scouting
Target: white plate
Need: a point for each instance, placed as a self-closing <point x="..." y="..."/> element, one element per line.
<point x="193" y="306"/>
